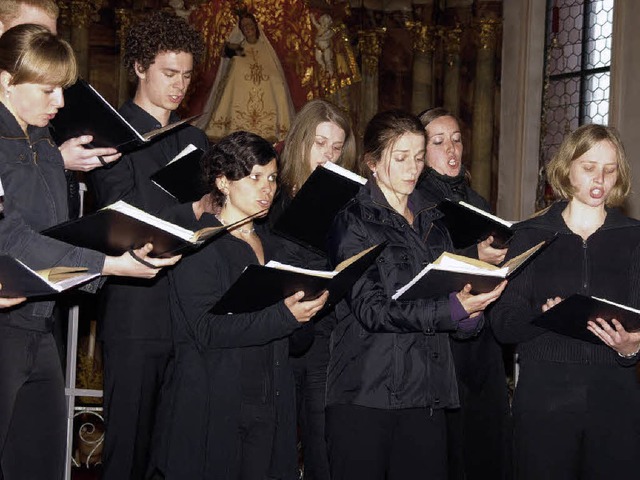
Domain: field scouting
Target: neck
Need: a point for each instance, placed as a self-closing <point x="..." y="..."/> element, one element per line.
<point x="583" y="219"/>
<point x="398" y="201"/>
<point x="6" y="103"/>
<point x="160" y="114"/>
<point x="227" y="217"/>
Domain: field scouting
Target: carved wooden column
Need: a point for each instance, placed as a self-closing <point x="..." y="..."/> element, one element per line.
<point x="64" y="20"/>
<point x="483" y="98"/>
<point x="451" y="39"/>
<point x="423" y="47"/>
<point x="370" y="45"/>
<point x="81" y="13"/>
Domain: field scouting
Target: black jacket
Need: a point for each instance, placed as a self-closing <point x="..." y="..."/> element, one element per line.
<point x="35" y="198"/>
<point x="139" y="308"/>
<point x="385" y="353"/>
<point x="478" y="360"/>
<point x="209" y="377"/>
<point x="606" y="265"/>
<point x="436" y="187"/>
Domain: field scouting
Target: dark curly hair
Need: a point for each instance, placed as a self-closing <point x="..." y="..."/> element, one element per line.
<point x="160" y="32"/>
<point x="234" y="157"/>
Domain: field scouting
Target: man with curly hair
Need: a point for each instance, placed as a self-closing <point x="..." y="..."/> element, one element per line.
<point x="159" y="53"/>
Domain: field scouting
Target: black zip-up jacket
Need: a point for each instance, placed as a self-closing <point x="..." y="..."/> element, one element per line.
<point x="35" y="198"/>
<point x="384" y="353"/>
<point x="606" y="265"/>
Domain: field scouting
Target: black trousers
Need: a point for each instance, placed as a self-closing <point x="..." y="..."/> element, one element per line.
<point x="310" y="372"/>
<point x="133" y="374"/>
<point x="479" y="434"/>
<point x="32" y="406"/>
<point x="255" y="441"/>
<point x="576" y="422"/>
<point x="377" y="444"/>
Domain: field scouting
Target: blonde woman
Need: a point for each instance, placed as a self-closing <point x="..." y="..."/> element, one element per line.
<point x="575" y="401"/>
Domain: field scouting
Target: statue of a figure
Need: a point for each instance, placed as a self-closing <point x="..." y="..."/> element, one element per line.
<point x="324" y="37"/>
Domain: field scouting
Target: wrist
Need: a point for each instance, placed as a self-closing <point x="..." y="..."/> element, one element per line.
<point x="629" y="355"/>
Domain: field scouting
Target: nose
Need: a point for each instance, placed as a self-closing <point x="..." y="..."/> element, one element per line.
<point x="58" y="98"/>
<point x="599" y="176"/>
<point x="181" y="82"/>
<point x="328" y="152"/>
<point x="268" y="186"/>
<point x="414" y="168"/>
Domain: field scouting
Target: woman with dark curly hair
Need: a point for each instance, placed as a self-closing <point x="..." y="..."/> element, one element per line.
<point x="160" y="52"/>
<point x="228" y="410"/>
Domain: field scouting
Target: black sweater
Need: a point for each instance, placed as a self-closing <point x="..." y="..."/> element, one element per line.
<point x="606" y="265"/>
<point x="139" y="308"/>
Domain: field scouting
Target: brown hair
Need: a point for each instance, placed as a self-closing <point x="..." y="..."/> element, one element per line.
<point x="383" y="130"/>
<point x="160" y="32"/>
<point x="294" y="166"/>
<point x="430" y="115"/>
<point x="10" y="9"/>
<point x="576" y="144"/>
<point x="32" y="54"/>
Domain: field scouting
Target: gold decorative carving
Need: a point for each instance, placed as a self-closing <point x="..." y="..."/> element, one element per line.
<point x="124" y="20"/>
<point x="451" y="42"/>
<point x="82" y="12"/>
<point x="424" y="36"/>
<point x="370" y="46"/>
<point x="488" y="30"/>
<point x="64" y="13"/>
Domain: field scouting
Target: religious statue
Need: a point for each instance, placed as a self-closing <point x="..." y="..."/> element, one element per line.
<point x="324" y="42"/>
<point x="250" y="91"/>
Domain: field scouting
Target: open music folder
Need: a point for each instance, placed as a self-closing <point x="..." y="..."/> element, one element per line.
<point x="18" y="280"/>
<point x="570" y="316"/>
<point x="182" y="177"/>
<point x="86" y="112"/>
<point x="308" y="217"/>
<point x="120" y="227"/>
<point x="450" y="273"/>
<point x="469" y="225"/>
<point x="260" y="286"/>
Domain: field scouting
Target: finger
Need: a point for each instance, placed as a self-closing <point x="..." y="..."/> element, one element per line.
<point x="111" y="158"/>
<point x="82" y="140"/>
<point x="163" y="262"/>
<point x="144" y="250"/>
<point x="101" y="152"/>
<point x="618" y="327"/>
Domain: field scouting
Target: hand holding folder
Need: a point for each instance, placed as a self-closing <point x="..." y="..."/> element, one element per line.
<point x="571" y="316"/>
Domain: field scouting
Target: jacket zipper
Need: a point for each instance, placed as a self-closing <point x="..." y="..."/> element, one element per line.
<point x="585" y="267"/>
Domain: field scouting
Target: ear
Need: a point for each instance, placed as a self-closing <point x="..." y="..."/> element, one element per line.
<point x="370" y="163"/>
<point x="5" y="80"/>
<point x="140" y="71"/>
<point x="223" y="184"/>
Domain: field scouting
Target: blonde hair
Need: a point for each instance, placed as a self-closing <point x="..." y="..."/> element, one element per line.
<point x="32" y="54"/>
<point x="576" y="144"/>
<point x="294" y="161"/>
<point x="10" y="9"/>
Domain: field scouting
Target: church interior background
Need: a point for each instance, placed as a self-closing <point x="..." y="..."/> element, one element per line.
<point x="518" y="73"/>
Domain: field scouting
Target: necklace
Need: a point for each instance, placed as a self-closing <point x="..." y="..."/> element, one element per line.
<point x="246" y="231"/>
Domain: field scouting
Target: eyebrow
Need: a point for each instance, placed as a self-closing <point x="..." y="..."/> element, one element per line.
<point x="327" y="138"/>
<point x="175" y="71"/>
<point x="442" y="133"/>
